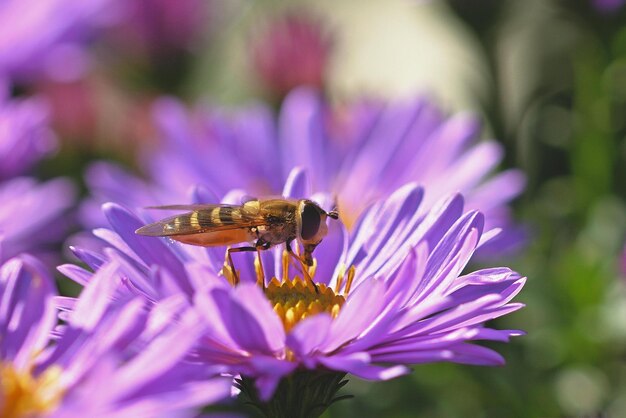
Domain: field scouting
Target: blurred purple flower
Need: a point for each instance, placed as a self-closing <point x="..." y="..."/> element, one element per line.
<point x="358" y="155"/>
<point x="390" y="293"/>
<point x="293" y="50"/>
<point x="47" y="36"/>
<point x="31" y="216"/>
<point x="25" y="136"/>
<point x="31" y="211"/>
<point x="122" y="360"/>
<point x="608" y="6"/>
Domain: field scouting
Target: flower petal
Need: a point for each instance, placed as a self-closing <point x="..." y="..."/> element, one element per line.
<point x="149" y="249"/>
<point x="298" y="184"/>
<point x="359" y="365"/>
<point x="27" y="312"/>
<point x="301" y="132"/>
<point x="356" y="315"/>
<point x="309" y="334"/>
<point x="249" y="319"/>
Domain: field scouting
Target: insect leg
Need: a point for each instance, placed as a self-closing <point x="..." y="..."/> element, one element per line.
<point x="305" y="270"/>
<point x="230" y="259"/>
<point x="261" y="245"/>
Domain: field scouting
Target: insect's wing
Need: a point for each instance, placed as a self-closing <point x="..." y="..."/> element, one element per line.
<point x="203" y="218"/>
<point x="190" y="207"/>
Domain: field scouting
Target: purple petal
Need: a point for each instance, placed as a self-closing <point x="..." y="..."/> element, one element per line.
<point x="159" y="357"/>
<point x="298" y="184"/>
<point x="379" y="227"/>
<point x="440" y="219"/>
<point x="78" y="274"/>
<point x="497" y="191"/>
<point x="437" y="283"/>
<point x="95" y="298"/>
<point x="92" y="259"/>
<point x="357" y="314"/>
<point x="376" y="156"/>
<point x="301" y="133"/>
<point x="151" y="250"/>
<point x="477" y="355"/>
<point x="249" y="319"/>
<point x="202" y="194"/>
<point x="454" y="242"/>
<point x="64" y="303"/>
<point x="331" y="253"/>
<point x="309" y="334"/>
<point x="501" y="335"/>
<point x="359" y="365"/>
<point x="27" y="312"/>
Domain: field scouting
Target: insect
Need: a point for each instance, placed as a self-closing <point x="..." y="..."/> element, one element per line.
<point x="264" y="222"/>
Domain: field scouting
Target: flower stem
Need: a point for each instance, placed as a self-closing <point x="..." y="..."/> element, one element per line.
<point x="303" y="394"/>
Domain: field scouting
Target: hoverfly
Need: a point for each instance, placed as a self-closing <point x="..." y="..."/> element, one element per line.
<point x="265" y="222"/>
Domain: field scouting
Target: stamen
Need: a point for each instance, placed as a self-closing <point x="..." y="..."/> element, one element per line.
<point x="294" y="300"/>
<point x="342" y="273"/>
<point x="300" y="297"/>
<point x="285" y="260"/>
<point x="23" y="396"/>
<point x="258" y="269"/>
<point x="351" y="272"/>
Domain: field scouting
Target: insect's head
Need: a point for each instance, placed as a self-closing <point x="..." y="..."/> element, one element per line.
<point x="312" y="228"/>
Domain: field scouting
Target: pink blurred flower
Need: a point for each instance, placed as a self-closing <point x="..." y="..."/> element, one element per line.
<point x="293" y="50"/>
<point x="153" y="29"/>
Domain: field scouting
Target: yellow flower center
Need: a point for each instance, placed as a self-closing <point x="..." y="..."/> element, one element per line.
<point x="298" y="298"/>
<point x="24" y="396"/>
<point x="294" y="300"/>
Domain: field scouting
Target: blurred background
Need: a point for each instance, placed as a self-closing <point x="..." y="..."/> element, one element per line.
<point x="547" y="77"/>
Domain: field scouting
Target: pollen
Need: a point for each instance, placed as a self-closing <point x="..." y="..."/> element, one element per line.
<point x="294" y="300"/>
<point x="23" y="395"/>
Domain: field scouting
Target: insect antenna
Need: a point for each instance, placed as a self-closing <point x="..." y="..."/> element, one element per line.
<point x="334" y="214"/>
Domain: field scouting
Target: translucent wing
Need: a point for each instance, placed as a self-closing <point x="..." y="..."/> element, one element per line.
<point x="192" y="207"/>
<point x="205" y="218"/>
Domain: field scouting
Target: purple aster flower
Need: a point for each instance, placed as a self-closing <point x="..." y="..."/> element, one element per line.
<point x="47" y="36"/>
<point x="358" y="154"/>
<point x="25" y="136"/>
<point x="31" y="211"/>
<point x="120" y="359"/>
<point x="293" y="50"/>
<point x="31" y="217"/>
<point x="388" y="294"/>
<point x="393" y="296"/>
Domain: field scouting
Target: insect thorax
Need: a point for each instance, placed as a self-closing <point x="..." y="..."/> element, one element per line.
<point x="280" y="224"/>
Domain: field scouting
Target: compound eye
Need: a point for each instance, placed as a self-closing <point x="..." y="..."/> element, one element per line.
<point x="311" y="220"/>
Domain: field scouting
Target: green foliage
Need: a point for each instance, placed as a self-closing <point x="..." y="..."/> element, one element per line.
<point x="303" y="394"/>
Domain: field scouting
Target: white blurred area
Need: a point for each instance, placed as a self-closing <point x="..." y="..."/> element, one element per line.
<point x="398" y="48"/>
<point x="384" y="49"/>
